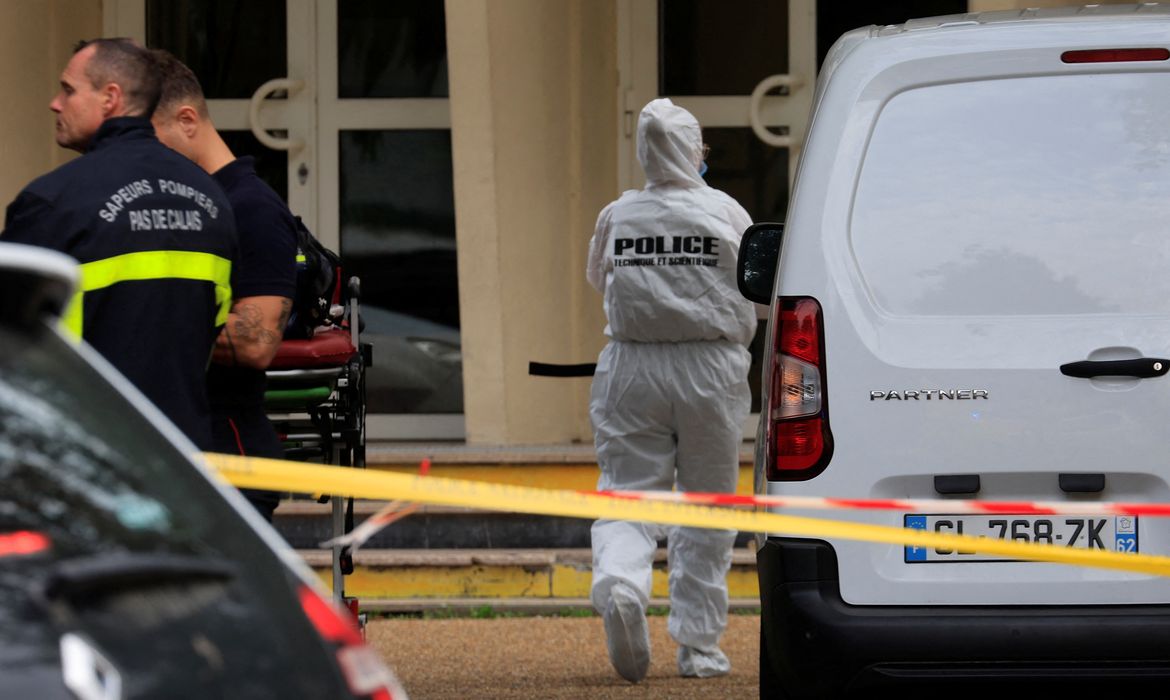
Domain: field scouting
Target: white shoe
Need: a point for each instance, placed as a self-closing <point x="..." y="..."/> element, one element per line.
<point x="627" y="635"/>
<point x="699" y="663"/>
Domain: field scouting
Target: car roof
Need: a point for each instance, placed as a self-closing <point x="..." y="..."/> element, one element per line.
<point x="1138" y="11"/>
<point x="34" y="282"/>
<point x="973" y="24"/>
<point x="1032" y="14"/>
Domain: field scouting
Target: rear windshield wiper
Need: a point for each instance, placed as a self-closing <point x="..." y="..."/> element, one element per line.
<point x="109" y="571"/>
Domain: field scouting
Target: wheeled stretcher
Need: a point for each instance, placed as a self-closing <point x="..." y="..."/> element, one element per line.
<point x="316" y="399"/>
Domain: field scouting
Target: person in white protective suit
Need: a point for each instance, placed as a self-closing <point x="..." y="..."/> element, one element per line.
<point x="670" y="390"/>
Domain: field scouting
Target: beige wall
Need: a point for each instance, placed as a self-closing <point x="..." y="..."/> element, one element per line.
<point x="36" y="40"/>
<point x="533" y="114"/>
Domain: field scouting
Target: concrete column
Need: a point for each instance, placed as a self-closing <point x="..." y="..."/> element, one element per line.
<point x="533" y="113"/>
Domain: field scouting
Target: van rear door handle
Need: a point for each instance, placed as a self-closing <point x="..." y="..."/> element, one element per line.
<point x="1142" y="367"/>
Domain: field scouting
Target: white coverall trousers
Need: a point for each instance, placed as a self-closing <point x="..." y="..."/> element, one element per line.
<point x="667" y="414"/>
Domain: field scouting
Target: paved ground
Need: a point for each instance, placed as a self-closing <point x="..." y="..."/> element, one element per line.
<point x="548" y="657"/>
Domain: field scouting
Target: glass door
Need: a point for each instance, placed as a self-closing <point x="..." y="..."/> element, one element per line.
<point x="236" y="49"/>
<point x="344" y="105"/>
<point x="387" y="190"/>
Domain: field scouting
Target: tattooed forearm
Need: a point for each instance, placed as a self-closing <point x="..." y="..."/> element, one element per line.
<point x="254" y="331"/>
<point x="247" y="324"/>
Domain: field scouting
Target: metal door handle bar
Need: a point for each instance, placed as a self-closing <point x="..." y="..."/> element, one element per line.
<point x="757" y="122"/>
<point x="1142" y="368"/>
<point x="290" y="86"/>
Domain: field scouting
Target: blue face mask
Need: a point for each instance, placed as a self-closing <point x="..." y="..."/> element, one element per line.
<point x="702" y="168"/>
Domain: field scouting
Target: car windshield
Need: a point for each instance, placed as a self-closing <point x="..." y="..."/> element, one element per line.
<point x="81" y="466"/>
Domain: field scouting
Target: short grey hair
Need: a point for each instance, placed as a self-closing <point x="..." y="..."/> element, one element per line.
<point x="123" y="62"/>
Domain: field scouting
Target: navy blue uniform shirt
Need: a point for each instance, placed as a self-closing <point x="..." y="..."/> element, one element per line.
<point x="156" y="238"/>
<point x="267" y="267"/>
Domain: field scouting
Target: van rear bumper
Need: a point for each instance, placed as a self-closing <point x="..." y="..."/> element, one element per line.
<point x="813" y="644"/>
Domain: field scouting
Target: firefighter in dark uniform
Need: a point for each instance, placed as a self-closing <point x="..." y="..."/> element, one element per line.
<point x="263" y="282"/>
<point x="153" y="233"/>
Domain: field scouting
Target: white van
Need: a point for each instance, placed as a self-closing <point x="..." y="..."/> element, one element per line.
<point x="972" y="294"/>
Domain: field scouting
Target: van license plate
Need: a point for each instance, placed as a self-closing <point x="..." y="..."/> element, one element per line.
<point x="1117" y="533"/>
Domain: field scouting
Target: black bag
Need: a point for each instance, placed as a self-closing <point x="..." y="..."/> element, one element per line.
<point x="318" y="285"/>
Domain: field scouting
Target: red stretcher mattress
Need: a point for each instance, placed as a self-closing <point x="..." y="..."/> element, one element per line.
<point x="331" y="348"/>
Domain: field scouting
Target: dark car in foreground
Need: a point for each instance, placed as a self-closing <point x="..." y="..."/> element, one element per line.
<point x="126" y="569"/>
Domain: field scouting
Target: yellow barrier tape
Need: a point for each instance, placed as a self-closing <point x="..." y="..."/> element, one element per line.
<point x="278" y="475"/>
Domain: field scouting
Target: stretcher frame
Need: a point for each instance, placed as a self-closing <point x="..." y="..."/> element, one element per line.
<point x="328" y="425"/>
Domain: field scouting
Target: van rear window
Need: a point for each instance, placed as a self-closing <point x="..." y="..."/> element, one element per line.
<point x="1024" y="196"/>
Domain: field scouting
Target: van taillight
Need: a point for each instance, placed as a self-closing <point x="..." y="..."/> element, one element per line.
<point x="1114" y="55"/>
<point x="363" y="669"/>
<point x="799" y="442"/>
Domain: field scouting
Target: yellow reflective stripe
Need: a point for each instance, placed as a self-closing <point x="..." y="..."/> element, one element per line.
<point x="152" y="265"/>
<point x="301" y="257"/>
<point x="71" y="318"/>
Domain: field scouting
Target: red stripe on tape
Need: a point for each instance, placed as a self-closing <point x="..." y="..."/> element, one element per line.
<point x="868" y="503"/>
<point x="905" y="504"/>
<point x="1156" y="509"/>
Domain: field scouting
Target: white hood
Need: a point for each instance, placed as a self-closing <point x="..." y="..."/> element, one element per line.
<point x="670" y="144"/>
<point x="664" y="256"/>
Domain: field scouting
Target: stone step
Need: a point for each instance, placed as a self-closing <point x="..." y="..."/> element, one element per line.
<point x="306" y="524"/>
<point x="411" y="454"/>
<point x="407" y="579"/>
<point x="572" y="477"/>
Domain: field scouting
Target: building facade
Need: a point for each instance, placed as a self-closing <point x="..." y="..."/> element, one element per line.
<point x="457" y="154"/>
